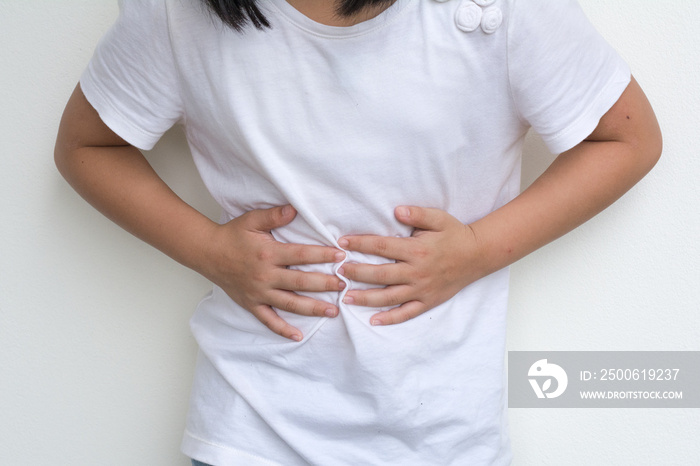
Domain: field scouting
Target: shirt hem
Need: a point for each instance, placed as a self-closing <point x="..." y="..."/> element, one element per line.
<point x="112" y="117"/>
<point x="589" y="120"/>
<point x="215" y="454"/>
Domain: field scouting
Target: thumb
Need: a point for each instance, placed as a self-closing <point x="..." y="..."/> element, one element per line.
<point x="269" y="219"/>
<point x="422" y="218"/>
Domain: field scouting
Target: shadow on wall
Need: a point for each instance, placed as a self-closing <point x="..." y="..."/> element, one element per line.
<point x="172" y="160"/>
<point x="536" y="159"/>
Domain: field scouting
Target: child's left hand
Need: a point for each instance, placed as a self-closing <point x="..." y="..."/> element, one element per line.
<point x="441" y="257"/>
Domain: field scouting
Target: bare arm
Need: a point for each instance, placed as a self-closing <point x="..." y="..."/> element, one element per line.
<point x="117" y="180"/>
<point x="579" y="183"/>
<point x="241" y="256"/>
<point x="443" y="256"/>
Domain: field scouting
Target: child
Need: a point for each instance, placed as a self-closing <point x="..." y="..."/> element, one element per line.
<point x="367" y="164"/>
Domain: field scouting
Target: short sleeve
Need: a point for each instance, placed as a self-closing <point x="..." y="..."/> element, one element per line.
<point x="564" y="76"/>
<point x="131" y="79"/>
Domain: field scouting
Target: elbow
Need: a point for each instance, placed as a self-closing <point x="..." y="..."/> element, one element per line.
<point x="63" y="148"/>
<point x="62" y="158"/>
<point x="59" y="158"/>
<point x="657" y="147"/>
<point x="646" y="134"/>
<point x="632" y="121"/>
<point x="68" y="157"/>
<point x="650" y="147"/>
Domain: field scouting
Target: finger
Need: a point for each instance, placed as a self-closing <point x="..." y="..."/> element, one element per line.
<point x="274" y="322"/>
<point x="302" y="305"/>
<point x="301" y="254"/>
<point x="423" y="218"/>
<point x="399" y="314"/>
<point x="379" y="297"/>
<point x="384" y="246"/>
<point x="268" y="219"/>
<point x="384" y="274"/>
<point x="295" y="280"/>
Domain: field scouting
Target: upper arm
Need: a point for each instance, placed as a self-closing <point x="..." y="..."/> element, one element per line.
<point x="563" y="74"/>
<point x="631" y="120"/>
<point x="81" y="126"/>
<point x="130" y="85"/>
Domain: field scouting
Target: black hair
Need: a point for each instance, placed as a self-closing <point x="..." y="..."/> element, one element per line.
<point x="239" y="13"/>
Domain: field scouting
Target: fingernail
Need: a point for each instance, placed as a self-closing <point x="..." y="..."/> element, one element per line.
<point x="403" y="211"/>
<point x="339" y="256"/>
<point x="330" y="313"/>
<point x="376" y="322"/>
<point x="286" y="210"/>
<point x="348" y="300"/>
<point x="296" y="337"/>
<point x="343" y="243"/>
<point x="341" y="271"/>
<point x="341" y="285"/>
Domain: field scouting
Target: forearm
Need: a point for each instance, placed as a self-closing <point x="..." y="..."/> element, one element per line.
<point x="241" y="256"/>
<point x="119" y="182"/>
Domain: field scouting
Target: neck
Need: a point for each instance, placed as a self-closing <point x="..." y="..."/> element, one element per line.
<point x="327" y="11"/>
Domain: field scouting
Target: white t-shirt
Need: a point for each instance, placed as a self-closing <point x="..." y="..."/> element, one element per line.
<point x="426" y="104"/>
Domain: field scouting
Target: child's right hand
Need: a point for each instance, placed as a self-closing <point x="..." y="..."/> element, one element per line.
<point x="248" y="263"/>
<point x="242" y="257"/>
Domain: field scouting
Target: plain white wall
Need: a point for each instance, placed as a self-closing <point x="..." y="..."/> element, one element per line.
<point x="95" y="351"/>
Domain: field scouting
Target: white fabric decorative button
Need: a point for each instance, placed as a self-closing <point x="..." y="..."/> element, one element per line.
<point x="484" y="2"/>
<point x="491" y="20"/>
<point x="468" y="17"/>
